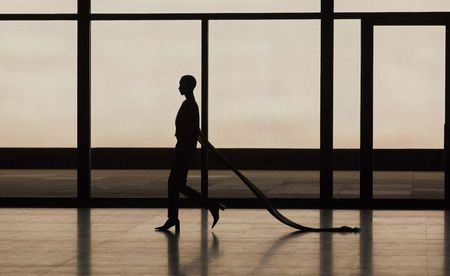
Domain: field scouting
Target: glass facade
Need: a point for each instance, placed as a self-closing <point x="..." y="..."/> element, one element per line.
<point x="346" y="116"/>
<point x="136" y="68"/>
<point x="204" y="6"/>
<point x="391" y="6"/>
<point x="38" y="108"/>
<point x="38" y="6"/>
<point x="264" y="78"/>
<point x="265" y="84"/>
<point x="409" y="97"/>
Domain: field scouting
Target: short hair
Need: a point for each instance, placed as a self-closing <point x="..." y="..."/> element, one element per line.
<point x="188" y="81"/>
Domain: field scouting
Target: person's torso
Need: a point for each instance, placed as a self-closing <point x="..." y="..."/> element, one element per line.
<point x="187" y="122"/>
<point x="187" y="126"/>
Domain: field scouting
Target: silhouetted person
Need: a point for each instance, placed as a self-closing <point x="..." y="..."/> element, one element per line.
<point x="187" y="132"/>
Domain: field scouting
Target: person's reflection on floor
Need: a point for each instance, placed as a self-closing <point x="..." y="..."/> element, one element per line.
<point x="201" y="263"/>
<point x="173" y="253"/>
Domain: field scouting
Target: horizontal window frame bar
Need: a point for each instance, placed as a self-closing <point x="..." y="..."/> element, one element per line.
<point x="39" y="17"/>
<point x="243" y="158"/>
<point x="203" y="16"/>
<point x="282" y="203"/>
<point x="377" y="18"/>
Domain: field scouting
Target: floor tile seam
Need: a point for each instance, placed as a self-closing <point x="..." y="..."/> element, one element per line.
<point x="340" y="190"/>
<point x="269" y="191"/>
<point x="292" y="176"/>
<point x="94" y="246"/>
<point x="75" y="257"/>
<point x="60" y="265"/>
<point x="123" y="232"/>
<point x="27" y="266"/>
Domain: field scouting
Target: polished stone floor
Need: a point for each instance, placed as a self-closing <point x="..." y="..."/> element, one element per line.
<point x="222" y="183"/>
<point x="245" y="242"/>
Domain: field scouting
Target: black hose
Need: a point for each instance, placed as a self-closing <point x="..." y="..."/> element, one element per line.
<point x="261" y="196"/>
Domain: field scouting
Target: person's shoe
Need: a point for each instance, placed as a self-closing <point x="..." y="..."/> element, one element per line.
<point x="215" y="213"/>
<point x="169" y="223"/>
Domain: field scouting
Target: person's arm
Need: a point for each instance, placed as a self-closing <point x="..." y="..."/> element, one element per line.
<point x="201" y="137"/>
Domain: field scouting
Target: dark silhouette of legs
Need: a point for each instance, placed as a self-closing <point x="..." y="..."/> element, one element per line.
<point x="206" y="203"/>
<point x="178" y="174"/>
<point x="177" y="184"/>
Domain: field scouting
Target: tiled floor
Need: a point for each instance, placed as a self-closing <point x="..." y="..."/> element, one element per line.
<point x="223" y="183"/>
<point x="245" y="242"/>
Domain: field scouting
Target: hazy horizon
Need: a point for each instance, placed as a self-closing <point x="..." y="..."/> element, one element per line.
<point x="200" y="6"/>
<point x="264" y="80"/>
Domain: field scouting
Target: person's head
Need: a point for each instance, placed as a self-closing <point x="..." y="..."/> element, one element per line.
<point x="187" y="84"/>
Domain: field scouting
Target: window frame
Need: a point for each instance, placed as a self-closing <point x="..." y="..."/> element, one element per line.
<point x="327" y="16"/>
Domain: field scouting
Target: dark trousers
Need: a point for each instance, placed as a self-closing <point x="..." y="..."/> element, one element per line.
<point x="178" y="183"/>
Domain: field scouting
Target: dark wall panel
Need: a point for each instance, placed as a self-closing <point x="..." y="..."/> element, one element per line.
<point x="268" y="159"/>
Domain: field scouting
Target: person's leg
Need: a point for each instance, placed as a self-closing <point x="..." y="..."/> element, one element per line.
<point x="211" y="205"/>
<point x="194" y="195"/>
<point x="177" y="179"/>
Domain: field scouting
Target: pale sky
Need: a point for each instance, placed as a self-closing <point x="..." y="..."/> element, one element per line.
<point x="264" y="77"/>
<point x="70" y="6"/>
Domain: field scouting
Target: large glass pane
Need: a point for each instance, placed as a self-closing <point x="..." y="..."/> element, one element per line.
<point x="38" y="6"/>
<point x="409" y="82"/>
<point x="347" y="57"/>
<point x="38" y="108"/>
<point x="391" y="6"/>
<point x="203" y="6"/>
<point x="136" y="67"/>
<point x="265" y="93"/>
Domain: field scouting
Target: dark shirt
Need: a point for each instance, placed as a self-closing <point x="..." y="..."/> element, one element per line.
<point x="187" y="126"/>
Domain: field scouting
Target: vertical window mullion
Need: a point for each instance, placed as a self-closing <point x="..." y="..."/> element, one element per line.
<point x="366" y="150"/>
<point x="204" y="95"/>
<point x="84" y="102"/>
<point x="326" y="101"/>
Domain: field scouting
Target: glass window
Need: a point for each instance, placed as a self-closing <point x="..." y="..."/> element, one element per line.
<point x="136" y="68"/>
<point x="347" y="67"/>
<point x="203" y="6"/>
<point x="38" y="108"/>
<point x="347" y="58"/>
<point x="409" y="90"/>
<point x="38" y="6"/>
<point x="38" y="84"/>
<point x="265" y="93"/>
<point x="265" y="84"/>
<point x="391" y="6"/>
<point x="409" y="82"/>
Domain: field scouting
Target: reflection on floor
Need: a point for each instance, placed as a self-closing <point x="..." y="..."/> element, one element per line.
<point x="223" y="183"/>
<point x="245" y="242"/>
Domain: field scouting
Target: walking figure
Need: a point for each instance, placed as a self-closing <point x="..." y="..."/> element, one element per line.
<point x="187" y="132"/>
